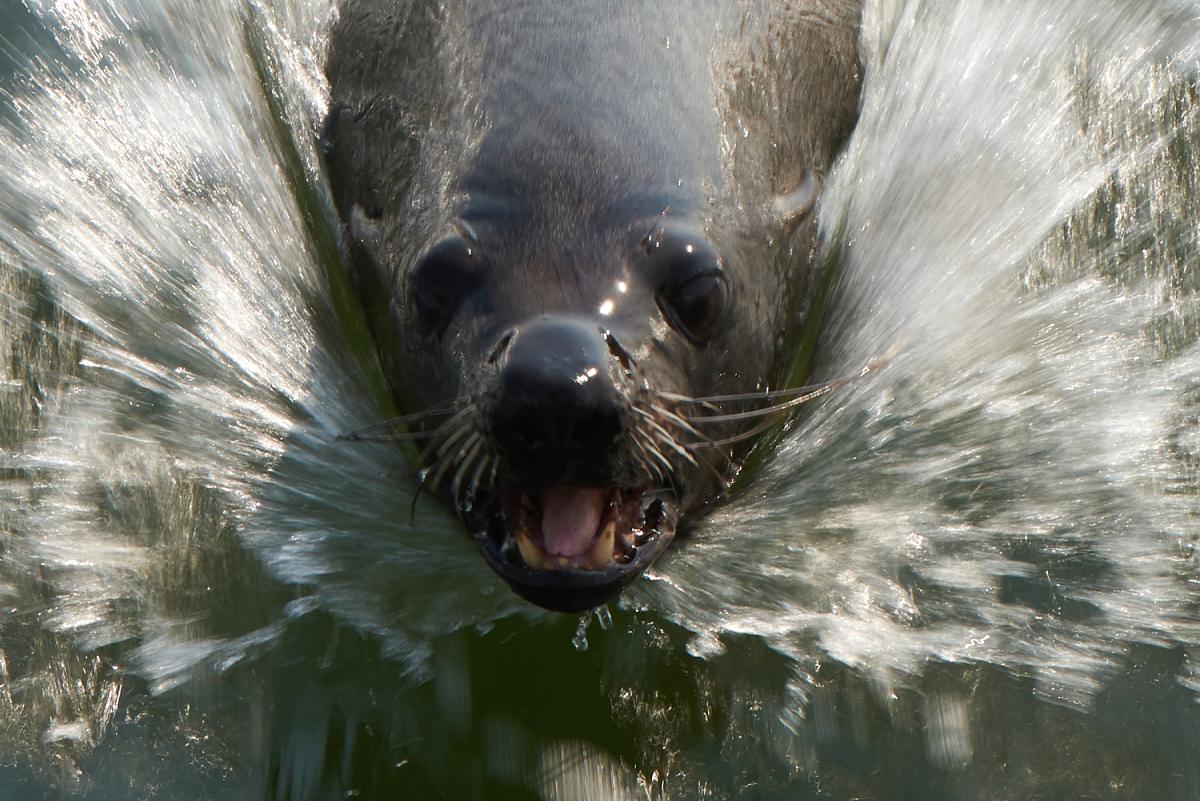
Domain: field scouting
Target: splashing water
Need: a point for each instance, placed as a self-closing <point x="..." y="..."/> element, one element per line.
<point x="1017" y="485"/>
<point x="1016" y="488"/>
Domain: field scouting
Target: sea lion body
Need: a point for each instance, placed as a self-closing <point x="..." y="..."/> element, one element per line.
<point x="565" y="219"/>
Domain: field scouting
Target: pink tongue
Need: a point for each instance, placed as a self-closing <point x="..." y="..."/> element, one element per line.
<point x="570" y="517"/>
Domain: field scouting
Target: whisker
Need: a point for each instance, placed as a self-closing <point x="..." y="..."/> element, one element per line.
<point x="658" y="455"/>
<point x="676" y="419"/>
<point x="771" y="410"/>
<point x="473" y="484"/>
<point x="463" y="465"/>
<point x="664" y="436"/>
<point x="651" y="457"/>
<point x="763" y="395"/>
<point x="636" y="436"/>
<point x="696" y="460"/>
<point x="762" y="427"/>
<point x="643" y="466"/>
<point x="774" y="393"/>
<point x="688" y="427"/>
<point x="643" y="459"/>
<point x="686" y="450"/>
<point x="446" y="463"/>
<point x="444" y="407"/>
<point x="453" y="436"/>
<point x="452" y="426"/>
<point x="669" y="441"/>
<point x="456" y="444"/>
<point x="677" y="398"/>
<point x="721" y="478"/>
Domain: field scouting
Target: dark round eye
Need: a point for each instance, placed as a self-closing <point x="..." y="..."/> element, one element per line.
<point x="693" y="289"/>
<point x="438" y="283"/>
<point x="696" y="307"/>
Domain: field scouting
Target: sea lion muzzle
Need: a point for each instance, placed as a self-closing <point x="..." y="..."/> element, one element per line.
<point x="573" y="517"/>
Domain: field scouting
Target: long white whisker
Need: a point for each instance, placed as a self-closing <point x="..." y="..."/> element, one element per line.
<point x="445" y="407"/>
<point x="446" y="463"/>
<point x="765" y="425"/>
<point x="770" y="410"/>
<point x="663" y="434"/>
<point x="676" y="419"/>
<point x="452" y="427"/>
<point x="658" y="455"/>
<point x="669" y="441"/>
<point x="764" y="395"/>
<point x="464" y="464"/>
<point x="454" y="437"/>
<point x="473" y="484"/>
<point x="811" y="390"/>
<point x="652" y="469"/>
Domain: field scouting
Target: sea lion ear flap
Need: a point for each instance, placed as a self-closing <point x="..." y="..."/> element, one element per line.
<point x="353" y="185"/>
<point x="794" y="206"/>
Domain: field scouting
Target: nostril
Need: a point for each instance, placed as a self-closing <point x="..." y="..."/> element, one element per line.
<point x="501" y="346"/>
<point x="594" y="433"/>
<point x="617" y="351"/>
<point x="529" y="431"/>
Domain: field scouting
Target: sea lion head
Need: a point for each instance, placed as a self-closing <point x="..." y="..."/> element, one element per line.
<point x="567" y="261"/>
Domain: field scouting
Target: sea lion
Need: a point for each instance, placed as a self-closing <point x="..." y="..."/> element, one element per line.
<point x="576" y="227"/>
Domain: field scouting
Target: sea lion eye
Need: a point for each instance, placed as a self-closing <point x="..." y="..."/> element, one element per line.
<point x="696" y="307"/>
<point x="693" y="290"/>
<point x="438" y="283"/>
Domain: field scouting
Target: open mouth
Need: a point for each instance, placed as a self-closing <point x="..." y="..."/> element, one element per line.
<point x="572" y="548"/>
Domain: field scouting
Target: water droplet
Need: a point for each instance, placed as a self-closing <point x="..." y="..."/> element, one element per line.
<point x="603" y="617"/>
<point x="580" y="640"/>
<point x="705" y="646"/>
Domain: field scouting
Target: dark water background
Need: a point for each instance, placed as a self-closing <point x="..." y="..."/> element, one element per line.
<point x="971" y="577"/>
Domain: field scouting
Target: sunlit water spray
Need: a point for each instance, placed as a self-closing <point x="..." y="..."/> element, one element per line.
<point x="216" y="376"/>
<point x="1016" y="486"/>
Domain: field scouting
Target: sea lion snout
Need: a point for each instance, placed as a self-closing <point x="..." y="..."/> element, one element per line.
<point x="555" y="413"/>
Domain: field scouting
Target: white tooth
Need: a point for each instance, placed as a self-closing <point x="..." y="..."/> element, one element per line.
<point x="530" y="552"/>
<point x="602" y="552"/>
<point x="627" y="539"/>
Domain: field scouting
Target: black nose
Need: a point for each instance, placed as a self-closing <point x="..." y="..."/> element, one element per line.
<point x="556" y="414"/>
